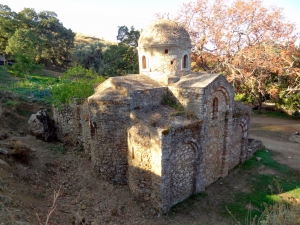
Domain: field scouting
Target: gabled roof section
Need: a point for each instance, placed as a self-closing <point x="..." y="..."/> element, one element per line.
<point x="132" y="82"/>
<point x="197" y="80"/>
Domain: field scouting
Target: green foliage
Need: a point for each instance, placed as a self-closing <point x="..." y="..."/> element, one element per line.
<point x="110" y="59"/>
<point x="247" y="99"/>
<point x="261" y="194"/>
<point x="276" y="114"/>
<point x="38" y="35"/>
<point x="12" y="103"/>
<point x="120" y="60"/>
<point x="34" y="86"/>
<point x="90" y="56"/>
<point x="7" y="25"/>
<point x="169" y="100"/>
<point x="77" y="82"/>
<point x="128" y="37"/>
<point x="290" y="101"/>
<point x="58" y="149"/>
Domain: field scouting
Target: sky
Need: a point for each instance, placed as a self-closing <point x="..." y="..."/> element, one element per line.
<point x="101" y="18"/>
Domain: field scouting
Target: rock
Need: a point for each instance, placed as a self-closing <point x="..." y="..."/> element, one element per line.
<point x="3" y="151"/>
<point x="253" y="146"/>
<point x="4" y="198"/>
<point x="5" y="167"/>
<point x="42" y="126"/>
<point x="258" y="159"/>
<point x="3" y="136"/>
<point x="295" y="137"/>
<point x="78" y="219"/>
<point x="83" y="207"/>
<point x="22" y="223"/>
<point x="3" y="162"/>
<point x="20" y="149"/>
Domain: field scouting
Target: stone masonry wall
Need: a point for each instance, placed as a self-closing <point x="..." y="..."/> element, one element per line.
<point x="239" y="139"/>
<point x="182" y="171"/>
<point x="109" y="123"/>
<point x="215" y="137"/>
<point x="72" y="121"/>
<point x="144" y="161"/>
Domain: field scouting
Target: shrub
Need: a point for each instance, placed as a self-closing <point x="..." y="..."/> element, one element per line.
<point x="77" y="82"/>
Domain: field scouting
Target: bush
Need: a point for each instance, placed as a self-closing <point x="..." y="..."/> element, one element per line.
<point x="77" y="82"/>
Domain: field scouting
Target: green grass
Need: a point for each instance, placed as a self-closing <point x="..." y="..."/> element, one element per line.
<point x="35" y="86"/>
<point x="58" y="149"/>
<point x="275" y="114"/>
<point x="261" y="195"/>
<point x="169" y="100"/>
<point x="49" y="89"/>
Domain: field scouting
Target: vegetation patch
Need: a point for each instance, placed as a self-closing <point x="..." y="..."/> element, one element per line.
<point x="77" y="82"/>
<point x="266" y="189"/>
<point x="169" y="100"/>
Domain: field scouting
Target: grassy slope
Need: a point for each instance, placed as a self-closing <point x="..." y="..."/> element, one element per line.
<point x="243" y="206"/>
<point x="84" y="39"/>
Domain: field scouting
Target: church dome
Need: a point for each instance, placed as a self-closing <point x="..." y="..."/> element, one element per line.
<point x="165" y="33"/>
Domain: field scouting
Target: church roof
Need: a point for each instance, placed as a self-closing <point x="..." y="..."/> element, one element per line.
<point x="165" y="33"/>
<point x="197" y="80"/>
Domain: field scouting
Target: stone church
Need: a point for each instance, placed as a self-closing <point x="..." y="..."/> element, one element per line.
<point x="166" y="132"/>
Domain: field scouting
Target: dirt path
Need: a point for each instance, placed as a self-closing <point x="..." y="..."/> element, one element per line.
<point x="275" y="133"/>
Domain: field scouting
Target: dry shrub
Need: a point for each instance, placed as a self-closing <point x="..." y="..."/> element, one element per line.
<point x="154" y="119"/>
<point x="20" y="149"/>
<point x="280" y="213"/>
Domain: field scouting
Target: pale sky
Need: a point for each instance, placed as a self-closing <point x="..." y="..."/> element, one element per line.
<point x="101" y="18"/>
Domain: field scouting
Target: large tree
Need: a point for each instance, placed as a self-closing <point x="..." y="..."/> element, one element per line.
<point x="56" y="41"/>
<point x="8" y="25"/>
<point x="129" y="37"/>
<point x="244" y="40"/>
<point x="25" y="47"/>
<point x="89" y="55"/>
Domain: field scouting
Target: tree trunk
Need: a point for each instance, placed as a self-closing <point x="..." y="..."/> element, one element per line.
<point x="259" y="102"/>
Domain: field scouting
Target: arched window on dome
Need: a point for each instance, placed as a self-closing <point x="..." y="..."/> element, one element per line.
<point x="185" y="61"/>
<point x="215" y="108"/>
<point x="144" y="63"/>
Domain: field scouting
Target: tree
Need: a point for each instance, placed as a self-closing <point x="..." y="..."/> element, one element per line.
<point x="244" y="40"/>
<point x="120" y="60"/>
<point x="24" y="46"/>
<point x="89" y="55"/>
<point x="7" y="25"/>
<point x="57" y="40"/>
<point x="128" y="37"/>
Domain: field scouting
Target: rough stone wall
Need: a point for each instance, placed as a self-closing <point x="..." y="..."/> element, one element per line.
<point x="237" y="146"/>
<point x="144" y="163"/>
<point x="240" y="131"/>
<point x="215" y="137"/>
<point x="72" y="121"/>
<point x="190" y="98"/>
<point x="85" y="127"/>
<point x="182" y="171"/>
<point x="109" y="122"/>
<point x="146" y="98"/>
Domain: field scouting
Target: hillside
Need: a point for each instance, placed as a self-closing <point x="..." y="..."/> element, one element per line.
<point x="85" y="38"/>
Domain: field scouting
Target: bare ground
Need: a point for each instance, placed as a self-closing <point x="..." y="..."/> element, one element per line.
<point x="275" y="133"/>
<point x="26" y="188"/>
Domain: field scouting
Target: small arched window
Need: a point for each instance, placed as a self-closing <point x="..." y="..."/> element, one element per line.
<point x="215" y="108"/>
<point x="185" y="62"/>
<point x="144" y="64"/>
